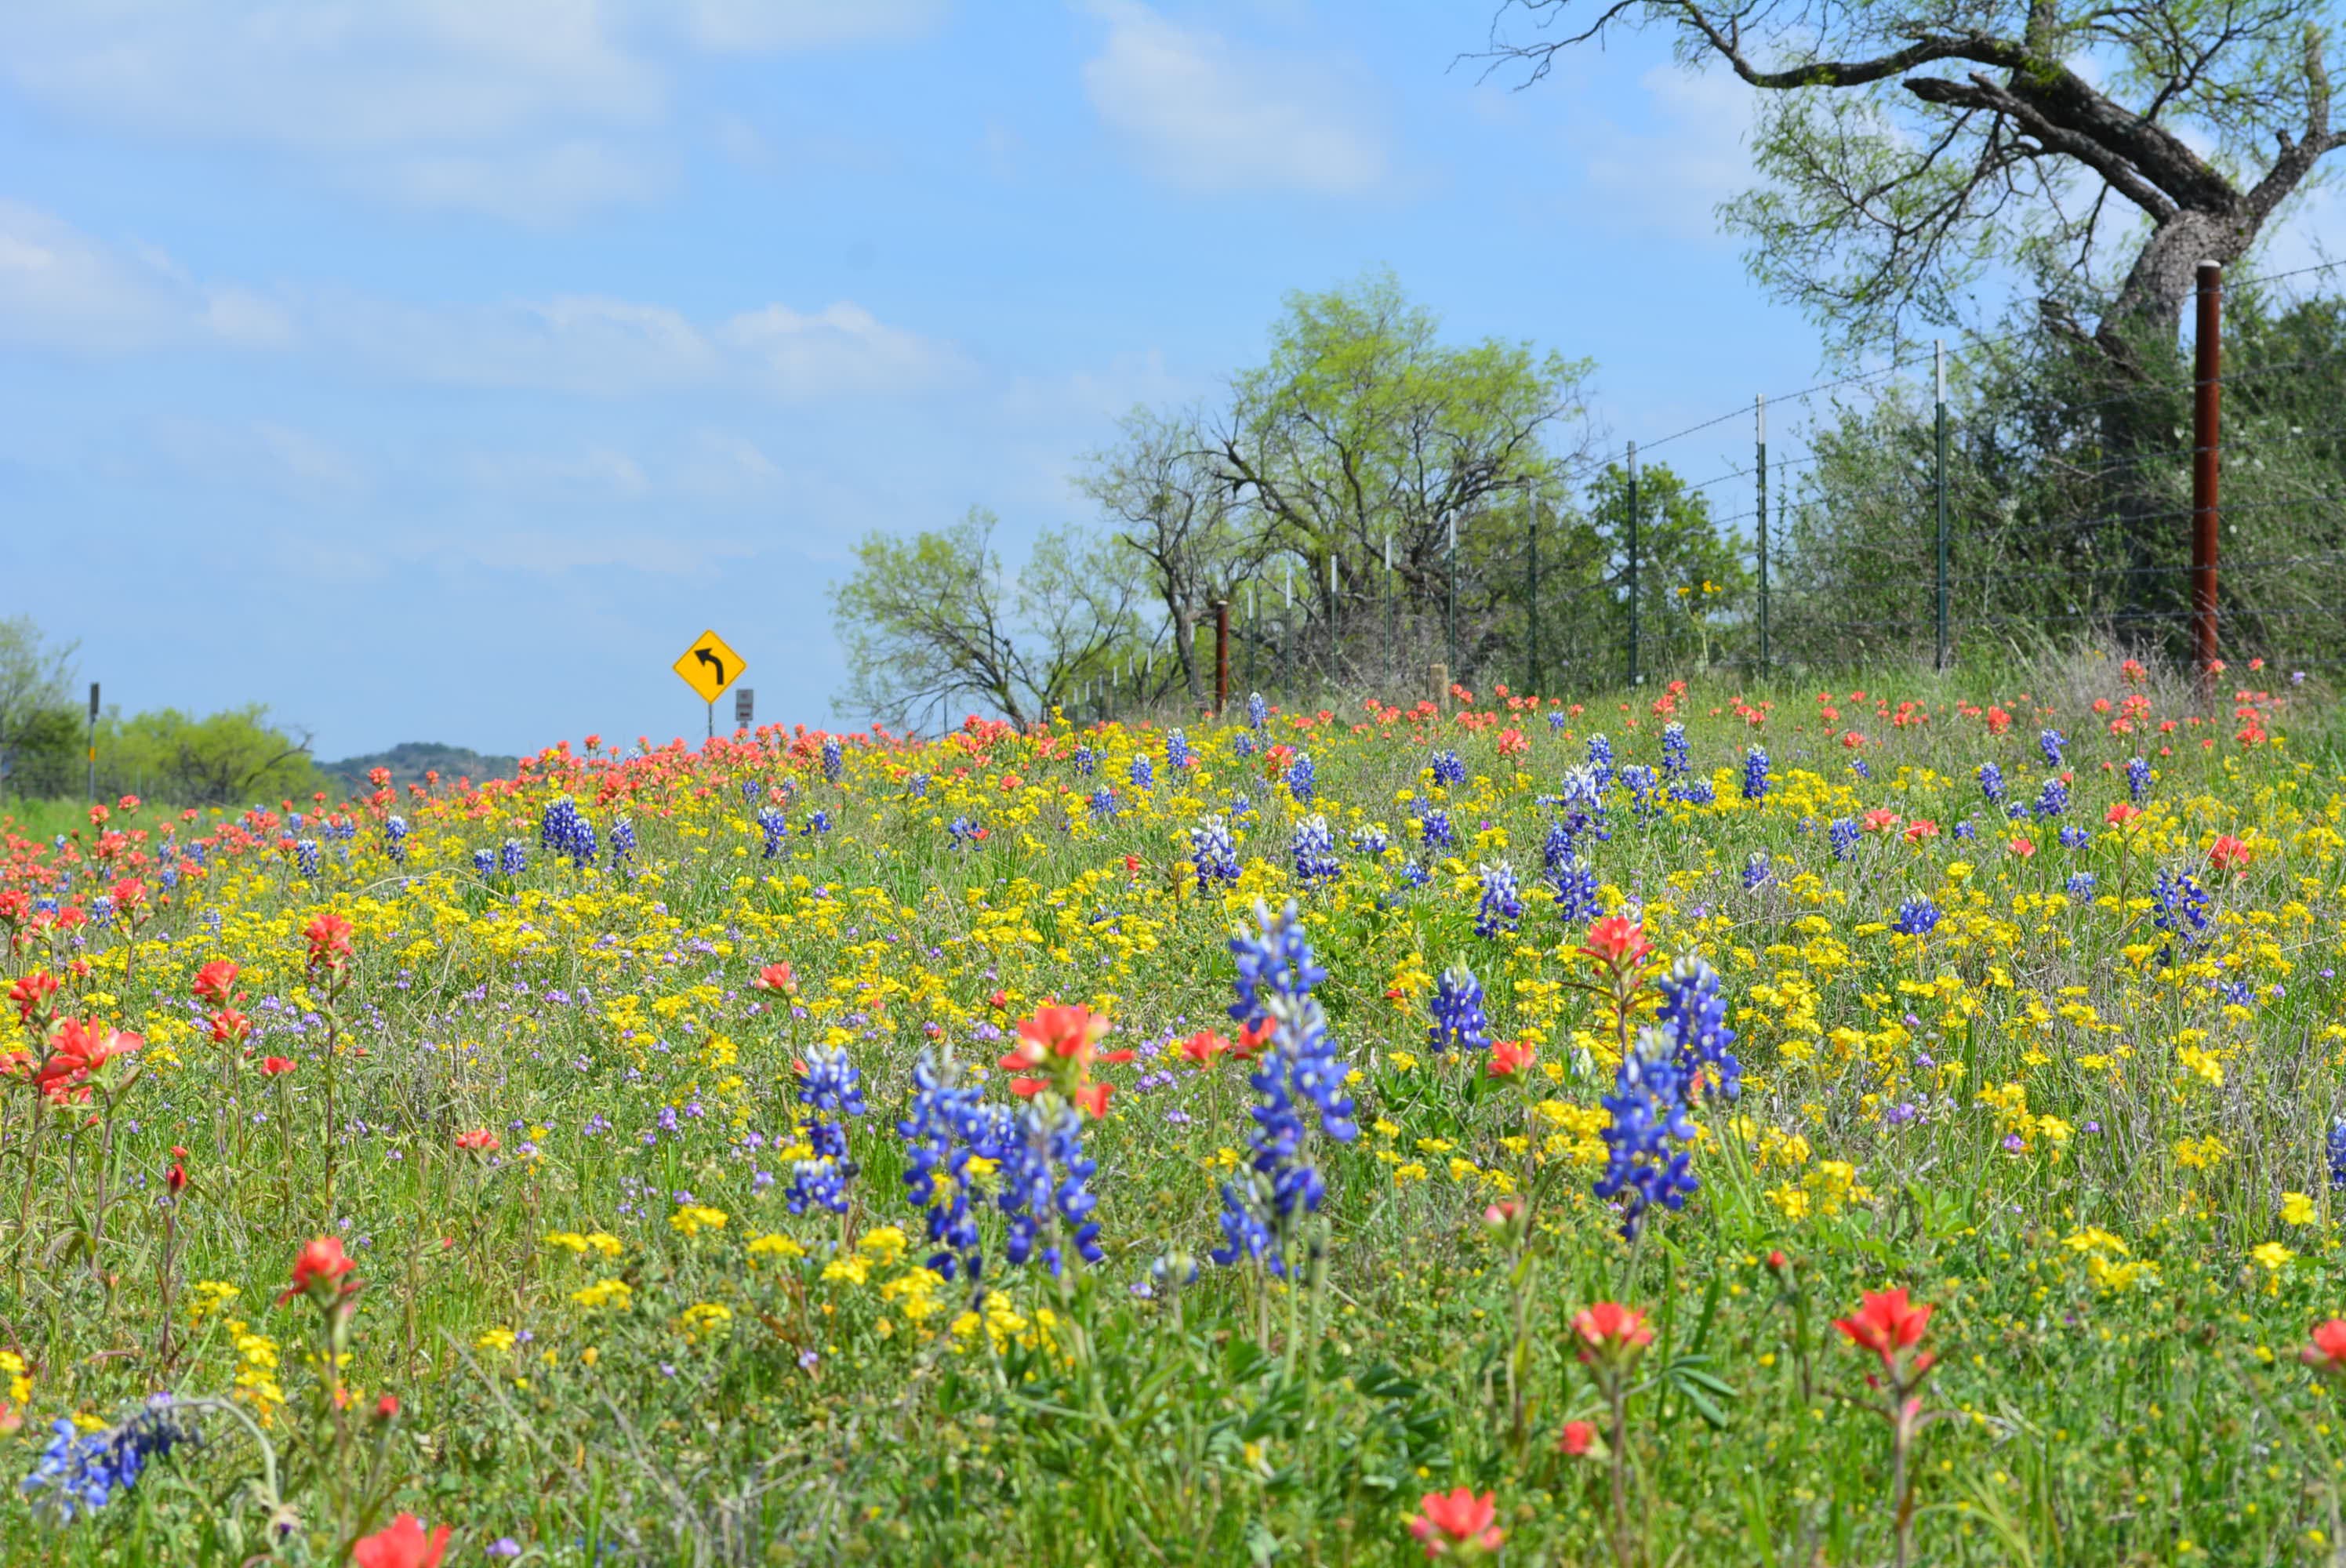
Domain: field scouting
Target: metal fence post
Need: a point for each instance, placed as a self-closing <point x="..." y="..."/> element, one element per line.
<point x="1939" y="487"/>
<point x="1452" y="612"/>
<point x="1531" y="605"/>
<point x="1760" y="407"/>
<point x="2207" y="436"/>
<point x="1635" y="677"/>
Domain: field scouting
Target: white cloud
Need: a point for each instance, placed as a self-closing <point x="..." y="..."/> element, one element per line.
<point x="763" y="25"/>
<point x="842" y="348"/>
<point x="1209" y="117"/>
<point x="504" y="106"/>
<point x="545" y="184"/>
<point x="1673" y="177"/>
<point x="61" y="288"/>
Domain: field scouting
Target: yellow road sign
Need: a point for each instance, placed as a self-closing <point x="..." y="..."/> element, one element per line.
<point x="709" y="667"/>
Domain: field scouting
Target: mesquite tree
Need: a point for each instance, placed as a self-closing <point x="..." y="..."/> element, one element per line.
<point x="1905" y="149"/>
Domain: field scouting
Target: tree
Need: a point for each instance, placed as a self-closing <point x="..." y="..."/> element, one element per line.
<point x="35" y="709"/>
<point x="1364" y="429"/>
<point x="1175" y="512"/>
<point x="230" y="757"/>
<point x="1692" y="584"/>
<point x="1909" y="147"/>
<point x="926" y="619"/>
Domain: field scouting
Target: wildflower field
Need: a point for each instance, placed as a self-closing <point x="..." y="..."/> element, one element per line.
<point x="1819" y="1126"/>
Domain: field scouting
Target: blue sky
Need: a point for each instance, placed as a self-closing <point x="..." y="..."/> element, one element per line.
<point x="438" y="369"/>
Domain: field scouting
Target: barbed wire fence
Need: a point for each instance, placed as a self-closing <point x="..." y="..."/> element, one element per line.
<point x="1954" y="503"/>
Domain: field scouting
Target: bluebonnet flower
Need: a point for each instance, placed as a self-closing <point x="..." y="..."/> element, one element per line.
<point x="170" y="873"/>
<point x="1104" y="804"/>
<point x="750" y="790"/>
<point x="79" y="1473"/>
<point x="831" y="1088"/>
<point x="1576" y="890"/>
<point x="1258" y="711"/>
<point x="1648" y="1110"/>
<point x="2016" y="810"/>
<point x="1041" y="1176"/>
<point x="1414" y="874"/>
<point x="1694" y="1016"/>
<point x="1434" y="831"/>
<point x="963" y="832"/>
<point x="1674" y="749"/>
<point x="1758" y="871"/>
<point x="305" y="854"/>
<point x="1459" y="1021"/>
<point x="2137" y="779"/>
<point x="2073" y="837"/>
<point x="949" y="1125"/>
<point x="2181" y="912"/>
<point x="2050" y="742"/>
<point x="1857" y="765"/>
<point x="2334" y="1145"/>
<point x="1086" y="759"/>
<point x="917" y="786"/>
<point x="1501" y="907"/>
<point x="563" y="829"/>
<point x="1214" y="852"/>
<point x="2081" y="885"/>
<point x="622" y="842"/>
<point x="1695" y="792"/>
<point x="834" y="760"/>
<point x="1242" y="744"/>
<point x="1302" y="779"/>
<point x="775" y="829"/>
<point x="485" y="862"/>
<point x="816" y="1184"/>
<point x="1448" y="770"/>
<point x="1177" y="750"/>
<point x="1301" y="1080"/>
<point x="513" y="859"/>
<point x="2238" y="994"/>
<point x="2053" y="799"/>
<point x="1314" y="849"/>
<point x="1371" y="839"/>
<point x="1915" y="917"/>
<point x="1841" y="837"/>
<point x="1144" y="772"/>
<point x="1964" y="830"/>
<point x="1991" y="783"/>
<point x="395" y="840"/>
<point x="818" y="821"/>
<point x="1554" y="719"/>
<point x="1639" y="779"/>
<point x="1600" y="760"/>
<point x="1755" y="774"/>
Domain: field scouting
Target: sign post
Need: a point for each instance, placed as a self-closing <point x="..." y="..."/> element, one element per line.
<point x="709" y="667"/>
<point x="92" y="743"/>
<point x="745" y="705"/>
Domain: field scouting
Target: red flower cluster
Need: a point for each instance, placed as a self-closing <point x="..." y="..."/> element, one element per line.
<point x="1060" y="1042"/>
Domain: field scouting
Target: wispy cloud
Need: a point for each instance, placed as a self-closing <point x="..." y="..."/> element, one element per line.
<point x="532" y="109"/>
<point x="1671" y="176"/>
<point x="64" y="290"/>
<point x="1209" y="117"/>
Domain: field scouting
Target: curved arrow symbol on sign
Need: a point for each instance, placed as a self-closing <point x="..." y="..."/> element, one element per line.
<point x="712" y="661"/>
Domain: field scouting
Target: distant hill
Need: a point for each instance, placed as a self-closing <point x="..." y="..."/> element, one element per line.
<point x="410" y="761"/>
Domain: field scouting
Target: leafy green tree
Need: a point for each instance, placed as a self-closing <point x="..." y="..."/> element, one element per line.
<point x="1909" y="152"/>
<point x="1365" y="431"/>
<point x="40" y="727"/>
<point x="1693" y="587"/>
<point x="930" y="619"/>
<point x="230" y="757"/>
